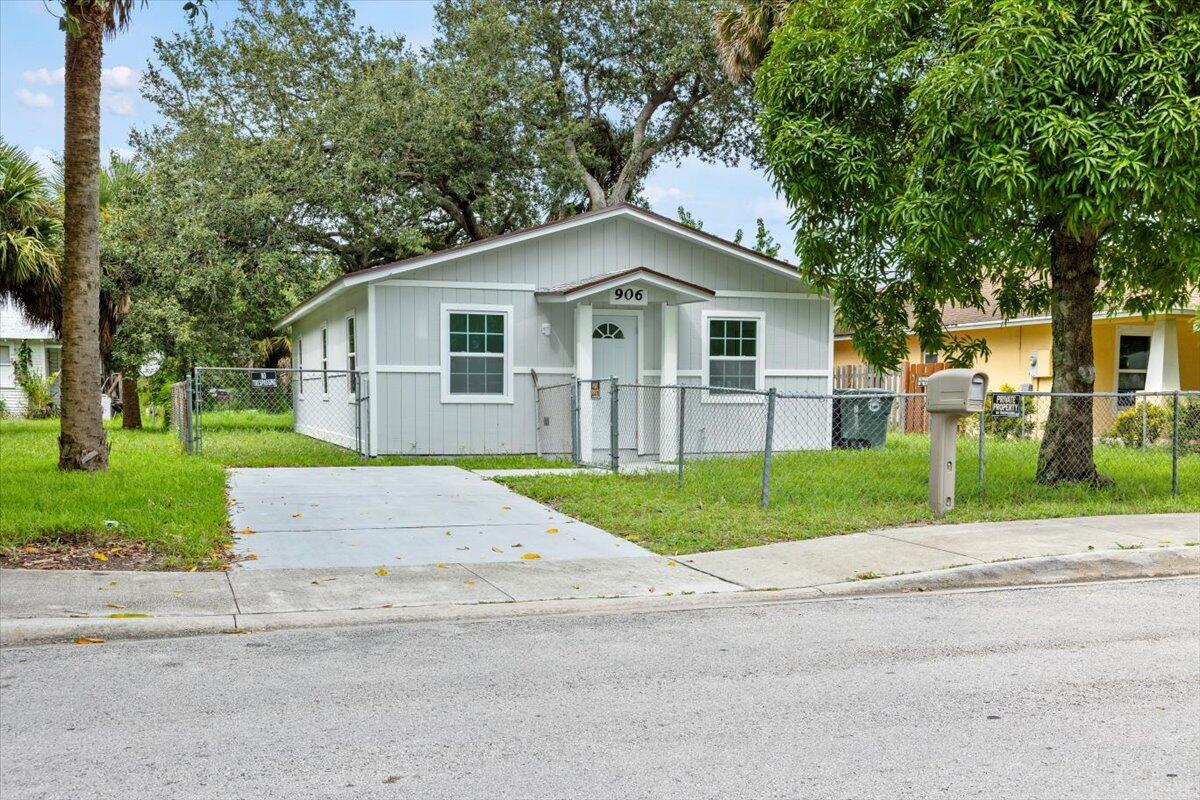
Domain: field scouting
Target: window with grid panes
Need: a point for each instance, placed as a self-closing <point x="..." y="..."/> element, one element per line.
<point x="733" y="353"/>
<point x="476" y="353"/>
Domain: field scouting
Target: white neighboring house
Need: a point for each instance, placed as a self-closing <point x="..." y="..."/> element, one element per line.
<point x="448" y="341"/>
<point x="15" y="329"/>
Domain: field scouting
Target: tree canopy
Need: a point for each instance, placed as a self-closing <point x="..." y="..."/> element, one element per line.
<point x="929" y="148"/>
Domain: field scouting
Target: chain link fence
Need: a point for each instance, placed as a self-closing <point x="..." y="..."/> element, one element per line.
<point x="773" y="445"/>
<point x="330" y="405"/>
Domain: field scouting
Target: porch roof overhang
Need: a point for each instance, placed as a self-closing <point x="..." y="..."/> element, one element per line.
<point x="679" y="291"/>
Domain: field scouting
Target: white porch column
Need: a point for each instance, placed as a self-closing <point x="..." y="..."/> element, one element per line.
<point x="583" y="371"/>
<point x="668" y="402"/>
<point x="1162" y="373"/>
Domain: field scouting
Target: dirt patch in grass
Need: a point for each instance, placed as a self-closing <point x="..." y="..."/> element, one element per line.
<point x="81" y="551"/>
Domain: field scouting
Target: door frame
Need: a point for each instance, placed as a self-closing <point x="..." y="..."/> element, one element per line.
<point x="640" y="315"/>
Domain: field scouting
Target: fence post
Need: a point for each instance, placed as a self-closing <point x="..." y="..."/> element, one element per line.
<point x="575" y="454"/>
<point x="1175" y="444"/>
<point x="614" y="431"/>
<point x="1145" y="426"/>
<point x="679" y="447"/>
<point x="198" y="394"/>
<point x="982" y="420"/>
<point x="766" y="476"/>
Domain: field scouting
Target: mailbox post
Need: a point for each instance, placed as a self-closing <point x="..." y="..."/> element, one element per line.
<point x="949" y="395"/>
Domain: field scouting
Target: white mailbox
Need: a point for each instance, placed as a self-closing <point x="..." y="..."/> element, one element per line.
<point x="949" y="395"/>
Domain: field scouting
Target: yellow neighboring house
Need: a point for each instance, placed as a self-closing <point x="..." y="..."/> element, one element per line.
<point x="1133" y="353"/>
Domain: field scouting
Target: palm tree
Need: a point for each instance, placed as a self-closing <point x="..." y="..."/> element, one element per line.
<point x="30" y="234"/>
<point x="743" y="33"/>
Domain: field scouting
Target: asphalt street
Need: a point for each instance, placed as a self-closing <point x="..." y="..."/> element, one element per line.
<point x="1068" y="692"/>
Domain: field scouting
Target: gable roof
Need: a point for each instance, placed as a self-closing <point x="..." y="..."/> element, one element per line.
<point x="340" y="284"/>
<point x="597" y="283"/>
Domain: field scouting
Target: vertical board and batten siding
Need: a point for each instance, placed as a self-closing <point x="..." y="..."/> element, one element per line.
<point x="410" y="414"/>
<point x="331" y="417"/>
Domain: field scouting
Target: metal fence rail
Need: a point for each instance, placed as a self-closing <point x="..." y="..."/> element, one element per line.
<point x="751" y="444"/>
<point x="330" y="405"/>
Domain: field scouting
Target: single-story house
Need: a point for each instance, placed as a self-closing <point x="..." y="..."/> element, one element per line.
<point x="1132" y="353"/>
<point x="45" y="351"/>
<point x="454" y="344"/>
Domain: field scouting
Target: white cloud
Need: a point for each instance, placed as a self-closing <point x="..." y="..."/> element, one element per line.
<point x="120" y="78"/>
<point x="44" y="77"/>
<point x="34" y="99"/>
<point x="119" y="103"/>
<point x="123" y="153"/>
<point x="657" y="194"/>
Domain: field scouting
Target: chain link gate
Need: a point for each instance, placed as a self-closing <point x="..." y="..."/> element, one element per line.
<point x="330" y="405"/>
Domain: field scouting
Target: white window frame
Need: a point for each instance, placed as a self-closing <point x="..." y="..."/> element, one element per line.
<point x="476" y="308"/>
<point x="760" y="354"/>
<point x="8" y="371"/>
<point x="325" y="360"/>
<point x="351" y="353"/>
<point x="1146" y="331"/>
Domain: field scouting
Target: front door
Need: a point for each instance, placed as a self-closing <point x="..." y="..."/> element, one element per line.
<point x="614" y="353"/>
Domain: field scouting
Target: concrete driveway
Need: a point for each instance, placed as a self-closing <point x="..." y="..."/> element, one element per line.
<point x="398" y="516"/>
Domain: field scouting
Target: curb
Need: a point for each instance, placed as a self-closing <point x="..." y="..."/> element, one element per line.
<point x="1026" y="572"/>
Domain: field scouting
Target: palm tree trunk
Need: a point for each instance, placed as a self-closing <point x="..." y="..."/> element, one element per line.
<point x="81" y="443"/>
<point x="1066" y="454"/>
<point x="131" y="405"/>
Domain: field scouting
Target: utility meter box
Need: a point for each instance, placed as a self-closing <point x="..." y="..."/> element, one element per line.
<point x="949" y="395"/>
<point x="958" y="391"/>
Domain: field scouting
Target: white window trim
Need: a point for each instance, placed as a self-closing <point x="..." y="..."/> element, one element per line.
<point x="477" y="308"/>
<point x="8" y="372"/>
<point x="1128" y="330"/>
<point x="351" y="348"/>
<point x="324" y="339"/>
<point x="760" y="354"/>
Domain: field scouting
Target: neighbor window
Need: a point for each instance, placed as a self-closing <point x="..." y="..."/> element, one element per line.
<point x="325" y="359"/>
<point x="1133" y="359"/>
<point x="931" y="357"/>
<point x="476" y="353"/>
<point x="300" y="362"/>
<point x="351" y="355"/>
<point x="733" y="353"/>
<point x="6" y="367"/>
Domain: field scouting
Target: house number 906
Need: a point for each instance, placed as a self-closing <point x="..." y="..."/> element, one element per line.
<point x="629" y="295"/>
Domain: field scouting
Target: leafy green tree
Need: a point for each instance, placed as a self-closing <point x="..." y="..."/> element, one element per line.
<point x="1049" y="149"/>
<point x="610" y="87"/>
<point x="31" y="231"/>
<point x="686" y="218"/>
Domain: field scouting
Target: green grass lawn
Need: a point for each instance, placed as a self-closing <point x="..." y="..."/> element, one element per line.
<point x="829" y="492"/>
<point x="156" y="493"/>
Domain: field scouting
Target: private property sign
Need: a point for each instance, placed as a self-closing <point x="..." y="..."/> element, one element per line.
<point x="1006" y="405"/>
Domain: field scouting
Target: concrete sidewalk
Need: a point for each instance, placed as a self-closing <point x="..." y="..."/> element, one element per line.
<point x="894" y="551"/>
<point x="58" y="605"/>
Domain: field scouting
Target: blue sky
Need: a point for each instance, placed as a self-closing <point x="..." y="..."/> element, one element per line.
<point x="31" y="103"/>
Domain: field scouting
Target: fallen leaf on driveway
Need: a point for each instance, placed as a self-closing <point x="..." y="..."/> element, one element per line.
<point x="551" y="530"/>
<point x="128" y="615"/>
<point x="496" y="549"/>
<point x="382" y="572"/>
<point x="250" y="557"/>
<point x="88" y="640"/>
<point x="506" y="508"/>
<point x="440" y="566"/>
<point x="516" y="544"/>
<point x="115" y="605"/>
<point x="297" y="515"/>
<point x="246" y="531"/>
<point x="530" y="556"/>
<point x="469" y="582"/>
<point x="100" y="556"/>
<point x="387" y="605"/>
<point x="671" y="563"/>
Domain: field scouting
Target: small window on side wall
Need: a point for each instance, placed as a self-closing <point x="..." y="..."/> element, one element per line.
<point x="325" y="359"/>
<point x="476" y="355"/>
<point x="352" y="356"/>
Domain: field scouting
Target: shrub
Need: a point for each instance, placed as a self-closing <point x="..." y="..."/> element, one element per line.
<point x="1128" y="427"/>
<point x="38" y="389"/>
<point x="1189" y="425"/>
